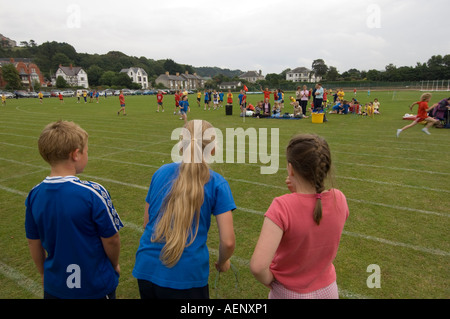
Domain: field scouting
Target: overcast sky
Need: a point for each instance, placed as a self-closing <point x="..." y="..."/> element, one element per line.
<point x="241" y="34"/>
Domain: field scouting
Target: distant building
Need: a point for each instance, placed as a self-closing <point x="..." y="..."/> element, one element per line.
<point x="302" y="74"/>
<point x="252" y="76"/>
<point x="180" y="81"/>
<point x="230" y="85"/>
<point x="28" y="71"/>
<point x="137" y="75"/>
<point x="74" y="75"/>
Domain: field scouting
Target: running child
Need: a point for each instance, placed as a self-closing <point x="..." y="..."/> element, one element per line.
<point x="177" y="101"/>
<point x="184" y="108"/>
<point x="122" y="103"/>
<point x="71" y="225"/>
<point x="301" y="231"/>
<point x="172" y="260"/>
<point x="61" y="98"/>
<point x="159" y="100"/>
<point x="422" y="114"/>
<point x="207" y="100"/>
<point x="199" y="97"/>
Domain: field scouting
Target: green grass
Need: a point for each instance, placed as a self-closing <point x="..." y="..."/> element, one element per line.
<point x="397" y="189"/>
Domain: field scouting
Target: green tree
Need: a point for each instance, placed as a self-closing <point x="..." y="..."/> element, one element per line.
<point x="61" y="83"/>
<point x="11" y="76"/>
<point x="94" y="74"/>
<point x="107" y="78"/>
<point x="319" y="67"/>
<point x="332" y="74"/>
<point x="122" y="80"/>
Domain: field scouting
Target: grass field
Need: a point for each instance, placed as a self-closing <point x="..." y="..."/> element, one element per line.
<point x="397" y="190"/>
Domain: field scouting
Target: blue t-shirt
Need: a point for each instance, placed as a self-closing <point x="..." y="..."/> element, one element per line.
<point x="184" y="106"/>
<point x="192" y="270"/>
<point x="69" y="216"/>
<point x="320" y="95"/>
<point x="206" y="96"/>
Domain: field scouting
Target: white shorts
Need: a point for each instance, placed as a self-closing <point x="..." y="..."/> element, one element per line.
<point x="278" y="291"/>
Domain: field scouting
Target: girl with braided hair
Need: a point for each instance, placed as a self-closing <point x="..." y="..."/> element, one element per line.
<point x="301" y="231"/>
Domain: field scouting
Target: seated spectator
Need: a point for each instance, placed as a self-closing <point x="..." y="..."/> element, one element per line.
<point x="376" y="106"/>
<point x="266" y="108"/>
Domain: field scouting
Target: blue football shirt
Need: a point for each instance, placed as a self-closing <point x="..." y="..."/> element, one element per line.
<point x="69" y="216"/>
<point x="192" y="270"/>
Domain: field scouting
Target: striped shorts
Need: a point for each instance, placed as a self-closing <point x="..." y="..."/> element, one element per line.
<point x="278" y="291"/>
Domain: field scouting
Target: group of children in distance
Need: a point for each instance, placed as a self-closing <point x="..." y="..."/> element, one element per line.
<point x="73" y="227"/>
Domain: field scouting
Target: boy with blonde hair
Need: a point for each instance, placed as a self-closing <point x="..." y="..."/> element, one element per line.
<point x="71" y="225"/>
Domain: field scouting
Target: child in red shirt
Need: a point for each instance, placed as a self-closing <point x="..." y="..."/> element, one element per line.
<point x="159" y="98"/>
<point x="422" y="114"/>
<point x="122" y="103"/>
<point x="301" y="232"/>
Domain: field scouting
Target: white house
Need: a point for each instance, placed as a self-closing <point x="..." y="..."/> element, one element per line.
<point x="252" y="76"/>
<point x="230" y="85"/>
<point x="302" y="74"/>
<point x="137" y="75"/>
<point x="74" y="75"/>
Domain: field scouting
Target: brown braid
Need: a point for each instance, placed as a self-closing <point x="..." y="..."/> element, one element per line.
<point x="310" y="157"/>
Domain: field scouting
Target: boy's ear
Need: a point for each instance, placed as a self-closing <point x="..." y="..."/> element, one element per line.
<point x="75" y="155"/>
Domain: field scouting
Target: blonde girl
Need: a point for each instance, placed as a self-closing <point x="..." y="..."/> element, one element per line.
<point x="172" y="260"/>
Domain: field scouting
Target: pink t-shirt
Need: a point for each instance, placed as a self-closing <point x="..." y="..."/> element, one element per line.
<point x="303" y="261"/>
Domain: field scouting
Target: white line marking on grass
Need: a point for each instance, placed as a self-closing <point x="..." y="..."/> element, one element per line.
<point x="281" y="155"/>
<point x="252" y="211"/>
<point x="241" y="181"/>
<point x="398" y="244"/>
<point x="393" y="184"/>
<point x="33" y="287"/>
<point x="21" y="280"/>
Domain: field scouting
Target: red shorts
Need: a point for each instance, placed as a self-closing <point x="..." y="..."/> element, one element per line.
<point x="419" y="119"/>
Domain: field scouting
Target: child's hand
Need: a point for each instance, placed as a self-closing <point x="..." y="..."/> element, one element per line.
<point x="289" y="184"/>
<point x="224" y="267"/>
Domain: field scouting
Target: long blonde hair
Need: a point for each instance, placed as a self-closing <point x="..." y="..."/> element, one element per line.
<point x="183" y="202"/>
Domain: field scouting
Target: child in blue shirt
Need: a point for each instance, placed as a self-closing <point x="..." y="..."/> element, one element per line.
<point x="184" y="108"/>
<point x="172" y="260"/>
<point x="71" y="225"/>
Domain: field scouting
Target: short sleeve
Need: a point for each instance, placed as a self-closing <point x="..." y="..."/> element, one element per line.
<point x="31" y="229"/>
<point x="275" y="214"/>
<point x="224" y="199"/>
<point x="104" y="214"/>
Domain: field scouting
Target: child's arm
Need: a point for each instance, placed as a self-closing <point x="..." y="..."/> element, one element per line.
<point x="38" y="255"/>
<point x="227" y="240"/>
<point x="432" y="107"/>
<point x="412" y="105"/>
<point x="265" y="249"/>
<point x="111" y="246"/>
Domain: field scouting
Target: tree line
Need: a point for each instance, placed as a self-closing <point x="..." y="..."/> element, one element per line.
<point x="104" y="69"/>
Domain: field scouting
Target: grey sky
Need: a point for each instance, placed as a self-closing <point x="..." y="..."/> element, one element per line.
<point x="241" y="34"/>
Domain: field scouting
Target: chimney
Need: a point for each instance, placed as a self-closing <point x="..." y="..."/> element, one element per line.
<point x="11" y="60"/>
<point x="71" y="67"/>
<point x="178" y="73"/>
<point x="167" y="72"/>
